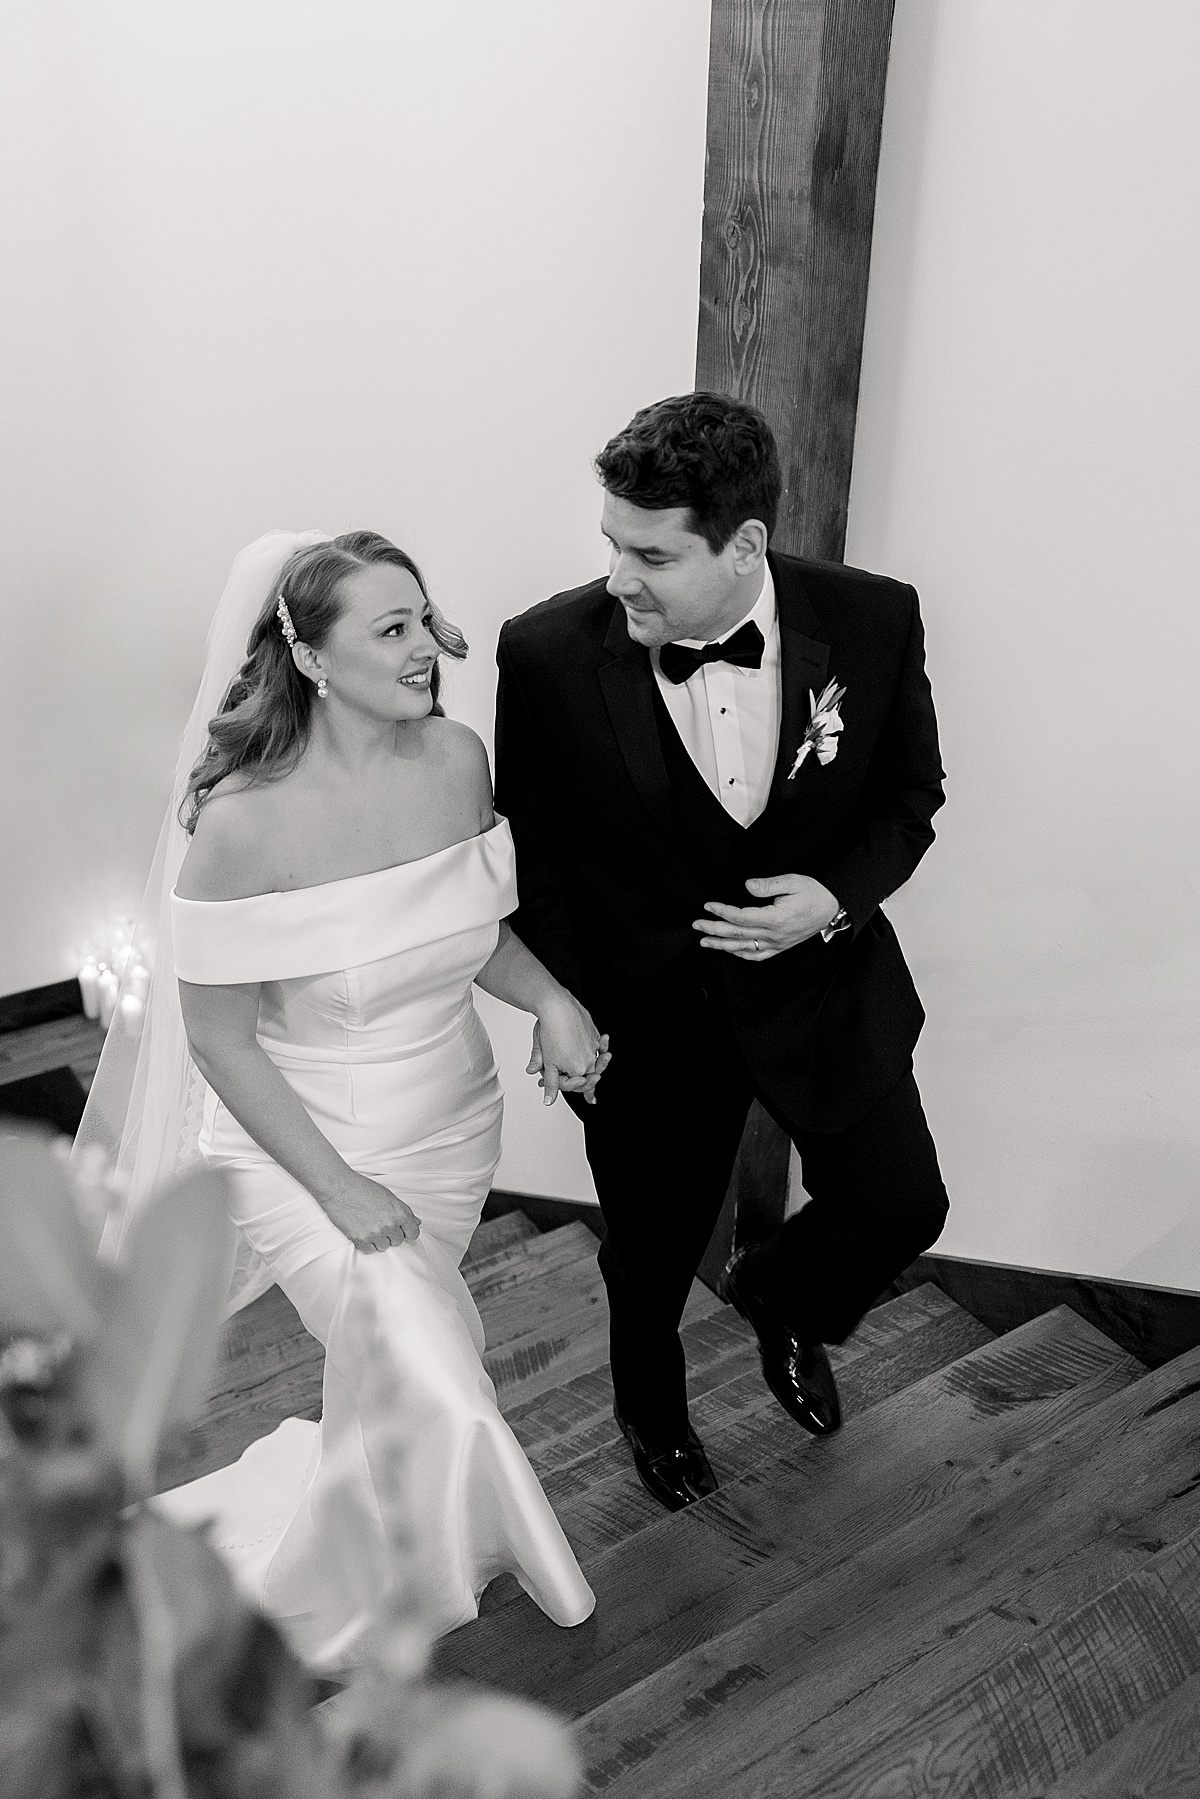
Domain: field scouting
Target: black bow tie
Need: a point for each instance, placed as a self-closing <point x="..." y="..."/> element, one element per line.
<point x="744" y="649"/>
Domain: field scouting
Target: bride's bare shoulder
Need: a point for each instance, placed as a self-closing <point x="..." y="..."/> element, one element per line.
<point x="466" y="761"/>
<point x="232" y="852"/>
<point x="458" y="742"/>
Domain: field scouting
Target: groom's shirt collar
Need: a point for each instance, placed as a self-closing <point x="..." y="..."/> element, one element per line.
<point x="728" y="717"/>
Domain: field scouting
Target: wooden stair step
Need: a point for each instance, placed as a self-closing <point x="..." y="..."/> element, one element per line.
<point x="600" y="1501"/>
<point x="499" y="1279"/>
<point x="1040" y="1713"/>
<point x="577" y="1451"/>
<point x="744" y="1423"/>
<point x="271" y="1369"/>
<point x="74" y="1042"/>
<point x="547" y="1328"/>
<point x="885" y="1709"/>
<point x="890" y="1602"/>
<point x="495" y="1234"/>
<point x="815" y="1504"/>
<point x="567" y="1423"/>
<point x="1158" y="1757"/>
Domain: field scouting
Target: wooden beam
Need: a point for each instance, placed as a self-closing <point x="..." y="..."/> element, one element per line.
<point x="795" y="113"/>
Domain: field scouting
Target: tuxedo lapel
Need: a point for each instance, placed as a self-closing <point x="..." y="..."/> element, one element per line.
<point x="804" y="662"/>
<point x="627" y="683"/>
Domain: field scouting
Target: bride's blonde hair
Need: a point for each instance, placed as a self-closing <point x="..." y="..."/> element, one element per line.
<point x="264" y="721"/>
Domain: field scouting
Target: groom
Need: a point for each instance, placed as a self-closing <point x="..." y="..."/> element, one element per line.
<point x="716" y="764"/>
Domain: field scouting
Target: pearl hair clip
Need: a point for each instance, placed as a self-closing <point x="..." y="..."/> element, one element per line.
<point x="285" y="621"/>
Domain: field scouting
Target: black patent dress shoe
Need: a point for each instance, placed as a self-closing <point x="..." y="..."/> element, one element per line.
<point x="675" y="1477"/>
<point x="798" y="1373"/>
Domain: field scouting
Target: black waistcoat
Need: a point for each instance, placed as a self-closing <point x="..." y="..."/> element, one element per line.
<point x="726" y="845"/>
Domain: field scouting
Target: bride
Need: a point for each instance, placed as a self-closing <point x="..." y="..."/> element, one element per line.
<point x="333" y="879"/>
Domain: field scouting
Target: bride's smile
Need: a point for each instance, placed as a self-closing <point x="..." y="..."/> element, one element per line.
<point x="379" y="657"/>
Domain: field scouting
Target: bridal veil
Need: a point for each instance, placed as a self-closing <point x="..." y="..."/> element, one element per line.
<point x="144" y="1111"/>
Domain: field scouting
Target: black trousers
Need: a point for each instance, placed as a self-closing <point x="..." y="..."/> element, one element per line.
<point x="661" y="1142"/>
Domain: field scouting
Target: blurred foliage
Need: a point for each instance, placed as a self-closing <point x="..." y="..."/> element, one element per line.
<point x="130" y="1667"/>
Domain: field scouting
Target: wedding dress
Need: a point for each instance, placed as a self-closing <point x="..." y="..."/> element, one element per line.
<point x="366" y="1010"/>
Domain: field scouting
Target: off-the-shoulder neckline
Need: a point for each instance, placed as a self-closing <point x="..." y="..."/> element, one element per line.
<point x="372" y="874"/>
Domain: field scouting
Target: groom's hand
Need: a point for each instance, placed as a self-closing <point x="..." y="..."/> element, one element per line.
<point x="569" y="1055"/>
<point x="798" y="908"/>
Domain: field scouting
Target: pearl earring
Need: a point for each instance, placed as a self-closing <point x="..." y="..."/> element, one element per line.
<point x="322" y="688"/>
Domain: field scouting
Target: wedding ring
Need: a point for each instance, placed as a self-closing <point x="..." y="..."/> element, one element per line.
<point x="754" y="943"/>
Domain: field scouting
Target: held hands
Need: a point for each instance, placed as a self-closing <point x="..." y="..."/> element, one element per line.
<point x="371" y="1215"/>
<point x="798" y="908"/>
<point x="568" y="1053"/>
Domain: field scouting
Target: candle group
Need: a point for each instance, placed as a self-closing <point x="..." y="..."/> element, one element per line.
<point x="109" y="988"/>
<point x="113" y="979"/>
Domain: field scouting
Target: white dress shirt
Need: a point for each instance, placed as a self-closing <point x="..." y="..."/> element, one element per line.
<point x="728" y="717"/>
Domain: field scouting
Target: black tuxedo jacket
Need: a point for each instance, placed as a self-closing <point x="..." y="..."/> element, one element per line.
<point x="620" y="842"/>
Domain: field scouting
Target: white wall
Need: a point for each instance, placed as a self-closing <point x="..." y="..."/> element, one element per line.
<point x="401" y="264"/>
<point x="1029" y="455"/>
<point x="291" y="263"/>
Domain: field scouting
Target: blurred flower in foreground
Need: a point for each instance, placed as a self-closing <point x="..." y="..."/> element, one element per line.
<point x="130" y="1668"/>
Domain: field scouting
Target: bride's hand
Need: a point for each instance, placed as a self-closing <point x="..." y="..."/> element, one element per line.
<point x="568" y="1053"/>
<point x="370" y="1214"/>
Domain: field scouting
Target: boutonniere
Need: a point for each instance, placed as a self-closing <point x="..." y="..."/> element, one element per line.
<point x="823" y="727"/>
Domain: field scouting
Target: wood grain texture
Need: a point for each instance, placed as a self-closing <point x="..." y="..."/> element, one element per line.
<point x="1043" y="1711"/>
<point x="496" y="1234"/>
<point x="568" y="1424"/>
<point x="585" y="1466"/>
<point x="826" y="1746"/>
<point x="712" y="1575"/>
<point x="545" y="1331"/>
<point x="498" y="1271"/>
<point x="1153" y="1323"/>
<point x="901" y="1595"/>
<point x="269" y="1369"/>
<point x="1156" y="1757"/>
<point x="599" y="1499"/>
<point x="811" y="1506"/>
<point x="525" y="1285"/>
<point x="795" y="111"/>
<point x="571" y="1423"/>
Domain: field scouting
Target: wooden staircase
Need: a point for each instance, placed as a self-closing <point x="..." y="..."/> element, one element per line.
<point x="986" y="1584"/>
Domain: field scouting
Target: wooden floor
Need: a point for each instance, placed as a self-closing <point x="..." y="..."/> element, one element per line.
<point x="988" y="1583"/>
<point x="73" y="1043"/>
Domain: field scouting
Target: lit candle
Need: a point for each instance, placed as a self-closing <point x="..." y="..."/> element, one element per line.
<point x="137" y="979"/>
<point x="89" y="986"/>
<point x="132" y="1009"/>
<point x="109" y="987"/>
<point x="122" y="944"/>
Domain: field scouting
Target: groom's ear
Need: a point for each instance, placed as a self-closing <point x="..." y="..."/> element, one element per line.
<point x="749" y="546"/>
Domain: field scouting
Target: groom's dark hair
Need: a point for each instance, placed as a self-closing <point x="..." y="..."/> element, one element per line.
<point x="708" y="452"/>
